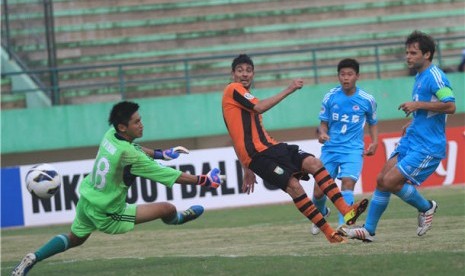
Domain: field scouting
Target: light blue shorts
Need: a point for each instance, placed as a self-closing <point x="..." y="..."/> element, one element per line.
<point x="415" y="166"/>
<point x="341" y="165"/>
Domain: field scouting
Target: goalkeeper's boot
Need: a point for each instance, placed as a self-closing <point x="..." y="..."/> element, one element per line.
<point x="315" y="230"/>
<point x="25" y="265"/>
<point x="356" y="232"/>
<point x="336" y="237"/>
<point x="425" y="219"/>
<point x="192" y="213"/>
<point x="357" y="209"/>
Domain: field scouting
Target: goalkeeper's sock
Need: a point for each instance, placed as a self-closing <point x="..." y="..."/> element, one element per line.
<point x="409" y="194"/>
<point x="173" y="219"/>
<point x="348" y="196"/>
<point x="320" y="204"/>
<point x="329" y="187"/>
<point x="56" y="245"/>
<point x="308" y="209"/>
<point x="192" y="213"/>
<point x="378" y="204"/>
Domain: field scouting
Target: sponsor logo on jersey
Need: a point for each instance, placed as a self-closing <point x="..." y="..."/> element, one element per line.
<point x="249" y="96"/>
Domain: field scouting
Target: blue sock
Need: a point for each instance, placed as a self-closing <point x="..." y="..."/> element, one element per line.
<point x="320" y="204"/>
<point x="409" y="194"/>
<point x="348" y="196"/>
<point x="378" y="204"/>
<point x="56" y="245"/>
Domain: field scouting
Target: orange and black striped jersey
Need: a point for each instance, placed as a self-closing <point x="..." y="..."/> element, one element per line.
<point x="244" y="124"/>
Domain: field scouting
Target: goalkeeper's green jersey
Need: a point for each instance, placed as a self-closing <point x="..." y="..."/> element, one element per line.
<point x="116" y="166"/>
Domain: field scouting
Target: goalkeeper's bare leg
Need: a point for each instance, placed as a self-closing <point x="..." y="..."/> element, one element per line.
<point x="167" y="212"/>
<point x="122" y="223"/>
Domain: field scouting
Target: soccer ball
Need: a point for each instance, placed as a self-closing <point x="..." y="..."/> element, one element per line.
<point x="43" y="181"/>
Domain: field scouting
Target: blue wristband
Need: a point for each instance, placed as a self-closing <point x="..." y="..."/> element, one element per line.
<point x="157" y="154"/>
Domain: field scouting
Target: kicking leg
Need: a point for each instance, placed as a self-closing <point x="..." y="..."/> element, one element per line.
<point x="319" y="199"/>
<point x="308" y="209"/>
<point x="328" y="186"/>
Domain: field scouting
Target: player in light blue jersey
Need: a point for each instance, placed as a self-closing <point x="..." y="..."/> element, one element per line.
<point x="422" y="145"/>
<point x="344" y="112"/>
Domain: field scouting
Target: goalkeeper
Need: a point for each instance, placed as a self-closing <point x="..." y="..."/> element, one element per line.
<point x="102" y="204"/>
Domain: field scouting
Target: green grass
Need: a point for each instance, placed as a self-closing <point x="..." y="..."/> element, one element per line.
<point x="264" y="240"/>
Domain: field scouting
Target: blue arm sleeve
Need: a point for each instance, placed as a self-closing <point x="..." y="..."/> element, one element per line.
<point x="157" y="154"/>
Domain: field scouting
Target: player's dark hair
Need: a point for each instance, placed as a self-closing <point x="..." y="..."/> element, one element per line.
<point x="348" y="63"/>
<point x="240" y="59"/>
<point x="425" y="42"/>
<point x="121" y="113"/>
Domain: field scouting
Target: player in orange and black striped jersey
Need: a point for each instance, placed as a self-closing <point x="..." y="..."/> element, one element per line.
<point x="278" y="163"/>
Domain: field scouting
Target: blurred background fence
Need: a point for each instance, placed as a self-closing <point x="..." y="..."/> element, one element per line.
<point x="75" y="52"/>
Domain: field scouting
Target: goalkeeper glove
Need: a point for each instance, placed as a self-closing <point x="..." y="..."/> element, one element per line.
<point x="169" y="154"/>
<point x="211" y="180"/>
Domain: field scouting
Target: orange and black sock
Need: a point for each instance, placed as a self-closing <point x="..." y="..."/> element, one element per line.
<point x="308" y="209"/>
<point x="329" y="187"/>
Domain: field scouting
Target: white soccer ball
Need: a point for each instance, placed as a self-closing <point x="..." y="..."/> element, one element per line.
<point x="43" y="180"/>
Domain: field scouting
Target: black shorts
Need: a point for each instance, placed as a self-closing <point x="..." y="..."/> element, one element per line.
<point x="279" y="163"/>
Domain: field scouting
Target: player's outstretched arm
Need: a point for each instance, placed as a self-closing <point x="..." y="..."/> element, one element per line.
<point x="169" y="154"/>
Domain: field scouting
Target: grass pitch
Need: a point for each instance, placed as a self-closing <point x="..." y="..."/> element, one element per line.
<point x="264" y="240"/>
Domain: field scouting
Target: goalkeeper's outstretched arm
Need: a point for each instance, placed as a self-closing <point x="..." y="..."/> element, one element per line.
<point x="167" y="154"/>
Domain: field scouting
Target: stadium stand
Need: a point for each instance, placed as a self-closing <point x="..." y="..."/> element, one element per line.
<point x="10" y="100"/>
<point x="163" y="36"/>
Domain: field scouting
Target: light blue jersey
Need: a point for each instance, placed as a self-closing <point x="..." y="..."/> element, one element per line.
<point x="426" y="132"/>
<point x="346" y="117"/>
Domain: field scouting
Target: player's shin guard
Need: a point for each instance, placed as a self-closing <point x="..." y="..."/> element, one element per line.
<point x="173" y="219"/>
<point x="378" y="205"/>
<point x="330" y="189"/>
<point x="410" y="195"/>
<point x="56" y="245"/>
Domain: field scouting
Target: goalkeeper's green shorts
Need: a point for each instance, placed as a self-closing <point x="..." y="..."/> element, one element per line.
<point x="89" y="219"/>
